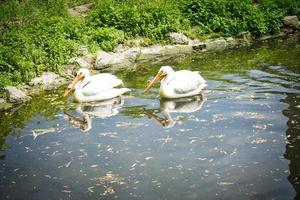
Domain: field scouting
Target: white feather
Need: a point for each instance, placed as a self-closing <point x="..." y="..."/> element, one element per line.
<point x="179" y="84"/>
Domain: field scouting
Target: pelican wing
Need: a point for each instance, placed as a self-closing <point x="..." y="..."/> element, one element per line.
<point x="99" y="83"/>
<point x="186" y="81"/>
<point x="110" y="79"/>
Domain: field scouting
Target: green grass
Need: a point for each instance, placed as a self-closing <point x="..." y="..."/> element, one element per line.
<point x="39" y="36"/>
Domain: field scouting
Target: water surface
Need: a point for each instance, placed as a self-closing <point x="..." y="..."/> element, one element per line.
<point x="238" y="140"/>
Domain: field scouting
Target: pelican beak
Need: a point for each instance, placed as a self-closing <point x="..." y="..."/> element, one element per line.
<point x="70" y="87"/>
<point x="159" y="76"/>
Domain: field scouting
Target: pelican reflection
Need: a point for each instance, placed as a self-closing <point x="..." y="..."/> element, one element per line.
<point x="180" y="105"/>
<point x="102" y="110"/>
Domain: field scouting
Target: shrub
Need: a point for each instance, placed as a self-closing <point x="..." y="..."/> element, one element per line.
<point x="106" y="38"/>
<point x="230" y="17"/>
<point x="151" y="20"/>
<point x="43" y="46"/>
<point x="38" y="35"/>
<point x="289" y="7"/>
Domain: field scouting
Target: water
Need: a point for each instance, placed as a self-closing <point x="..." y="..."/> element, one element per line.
<point x="239" y="140"/>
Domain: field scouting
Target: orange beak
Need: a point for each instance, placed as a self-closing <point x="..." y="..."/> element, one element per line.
<point x="159" y="76"/>
<point x="70" y="87"/>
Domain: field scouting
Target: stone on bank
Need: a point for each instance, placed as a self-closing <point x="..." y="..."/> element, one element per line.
<point x="15" y="95"/>
<point x="291" y="21"/>
<point x="47" y="81"/>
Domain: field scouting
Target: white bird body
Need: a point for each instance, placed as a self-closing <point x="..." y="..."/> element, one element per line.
<point x="178" y="84"/>
<point x="96" y="88"/>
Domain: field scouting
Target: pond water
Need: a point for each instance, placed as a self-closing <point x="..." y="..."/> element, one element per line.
<point x="239" y="140"/>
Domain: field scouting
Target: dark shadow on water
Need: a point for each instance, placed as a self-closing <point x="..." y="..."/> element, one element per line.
<point x="293" y="136"/>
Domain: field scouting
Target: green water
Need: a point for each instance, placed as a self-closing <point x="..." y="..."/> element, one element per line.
<point x="239" y="140"/>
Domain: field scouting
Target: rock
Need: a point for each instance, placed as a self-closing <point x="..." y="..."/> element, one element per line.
<point x="280" y="34"/>
<point x="193" y="42"/>
<point x="4" y="105"/>
<point x="80" y="10"/>
<point x="124" y="58"/>
<point x="265" y="37"/>
<point x="232" y="42"/>
<point x="148" y="53"/>
<point x="83" y="50"/>
<point x="153" y="52"/>
<point x="288" y="30"/>
<point x="69" y="70"/>
<point x="291" y="21"/>
<point x="103" y="58"/>
<point x="197" y="45"/>
<point x="2" y="100"/>
<point x="15" y="95"/>
<point x="245" y="38"/>
<point x="83" y="63"/>
<point x="131" y="54"/>
<point x="120" y="48"/>
<point x="177" y="49"/>
<point x="216" y="45"/>
<point x="178" y="38"/>
<point x="268" y="37"/>
<point x="47" y="81"/>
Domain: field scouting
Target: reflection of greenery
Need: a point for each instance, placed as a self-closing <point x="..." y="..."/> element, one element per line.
<point x="133" y="111"/>
<point x="45" y="104"/>
<point x="137" y="78"/>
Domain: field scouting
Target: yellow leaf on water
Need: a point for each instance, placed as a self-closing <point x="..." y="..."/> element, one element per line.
<point x="225" y="183"/>
<point x="90" y="189"/>
<point x="68" y="164"/>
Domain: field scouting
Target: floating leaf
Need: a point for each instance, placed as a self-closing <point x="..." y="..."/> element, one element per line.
<point x="68" y="164"/>
<point x="258" y="141"/>
<point x="225" y="183"/>
<point x="90" y="189"/>
<point x="148" y="158"/>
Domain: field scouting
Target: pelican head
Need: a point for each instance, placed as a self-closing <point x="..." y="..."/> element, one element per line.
<point x="82" y="74"/>
<point x="162" y="73"/>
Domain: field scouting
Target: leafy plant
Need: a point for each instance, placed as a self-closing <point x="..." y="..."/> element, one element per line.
<point x="152" y="20"/>
<point x="39" y="36"/>
<point x="107" y="38"/>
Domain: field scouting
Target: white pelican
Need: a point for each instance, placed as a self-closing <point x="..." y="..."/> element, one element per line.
<point x="178" y="84"/>
<point x="98" y="87"/>
<point x="102" y="110"/>
<point x="179" y="105"/>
